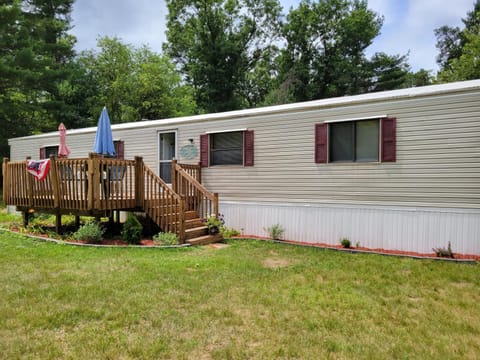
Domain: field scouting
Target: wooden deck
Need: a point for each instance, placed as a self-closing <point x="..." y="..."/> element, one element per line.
<point x="97" y="186"/>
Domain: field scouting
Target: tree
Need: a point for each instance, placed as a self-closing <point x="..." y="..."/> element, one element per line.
<point x="48" y="22"/>
<point x="325" y="48"/>
<point x="459" y="49"/>
<point x="133" y="83"/>
<point x="34" y="52"/>
<point x="388" y="72"/>
<point x="15" y="58"/>
<point x="217" y="45"/>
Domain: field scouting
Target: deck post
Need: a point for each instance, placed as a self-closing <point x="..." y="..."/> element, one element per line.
<point x="174" y="176"/>
<point x="30" y="186"/>
<point x="199" y="172"/>
<point x="25" y="216"/>
<point x="58" y="222"/>
<point x="55" y="184"/>
<point x="215" y="204"/>
<point x="6" y="179"/>
<point x="90" y="179"/>
<point x="181" y="220"/>
<point x="139" y="182"/>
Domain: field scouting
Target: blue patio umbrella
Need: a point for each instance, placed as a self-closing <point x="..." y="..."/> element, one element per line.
<point x="104" y="140"/>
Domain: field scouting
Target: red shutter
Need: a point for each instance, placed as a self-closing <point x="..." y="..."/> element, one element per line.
<point x="389" y="130"/>
<point x="42" y="153"/>
<point x="120" y="149"/>
<point x="248" y="156"/>
<point x="321" y="143"/>
<point x="204" y="150"/>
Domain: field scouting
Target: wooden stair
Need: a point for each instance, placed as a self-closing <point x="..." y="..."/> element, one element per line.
<point x="196" y="233"/>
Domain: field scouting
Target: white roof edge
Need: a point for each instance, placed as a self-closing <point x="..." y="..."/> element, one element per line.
<point x="429" y="90"/>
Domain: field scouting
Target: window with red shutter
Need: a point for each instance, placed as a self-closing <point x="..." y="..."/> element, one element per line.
<point x="389" y="142"/>
<point x="362" y="140"/>
<point x="321" y="143"/>
<point x="248" y="156"/>
<point x="120" y="149"/>
<point x="204" y="150"/>
<point x="227" y="148"/>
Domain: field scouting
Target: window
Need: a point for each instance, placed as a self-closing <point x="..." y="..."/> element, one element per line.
<point x="119" y="149"/>
<point x="368" y="140"/>
<point x="46" y="151"/>
<point x="354" y="141"/>
<point x="227" y="148"/>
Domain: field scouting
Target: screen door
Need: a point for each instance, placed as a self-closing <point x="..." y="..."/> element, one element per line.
<point x="167" y="148"/>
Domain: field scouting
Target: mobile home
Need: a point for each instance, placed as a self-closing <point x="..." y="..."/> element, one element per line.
<point x="395" y="170"/>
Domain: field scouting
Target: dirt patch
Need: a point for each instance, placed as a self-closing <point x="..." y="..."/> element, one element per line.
<point x="276" y="263"/>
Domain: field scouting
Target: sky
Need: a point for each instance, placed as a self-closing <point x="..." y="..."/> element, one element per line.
<point x="408" y="25"/>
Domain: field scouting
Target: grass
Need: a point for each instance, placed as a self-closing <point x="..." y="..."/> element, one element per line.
<point x="252" y="299"/>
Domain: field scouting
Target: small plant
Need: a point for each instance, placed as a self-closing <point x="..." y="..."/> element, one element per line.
<point x="214" y="223"/>
<point x="442" y="252"/>
<point x="357" y="244"/>
<point x="275" y="231"/>
<point x="132" y="230"/>
<point x="228" y="232"/>
<point x="92" y="233"/>
<point x="165" y="238"/>
<point x="345" y="243"/>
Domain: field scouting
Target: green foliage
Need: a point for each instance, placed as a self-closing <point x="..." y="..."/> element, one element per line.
<point x="92" y="233"/>
<point x="459" y="49"/>
<point x="35" y="50"/>
<point x="228" y="232"/>
<point x="166" y="238"/>
<point x="218" y="43"/>
<point x="132" y="230"/>
<point x="346" y="243"/>
<point x="214" y="221"/>
<point x="134" y="83"/>
<point x="442" y="252"/>
<point x="275" y="231"/>
<point x="325" y="51"/>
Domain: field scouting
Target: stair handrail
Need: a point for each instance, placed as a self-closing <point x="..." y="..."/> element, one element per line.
<point x="184" y="184"/>
<point x="169" y="214"/>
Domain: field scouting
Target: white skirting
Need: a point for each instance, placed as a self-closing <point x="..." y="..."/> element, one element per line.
<point x="396" y="228"/>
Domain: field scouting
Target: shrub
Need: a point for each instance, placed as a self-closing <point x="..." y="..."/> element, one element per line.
<point x="165" y="238"/>
<point x="228" y="232"/>
<point x="92" y="233"/>
<point x="214" y="223"/>
<point x="345" y="243"/>
<point x="132" y="230"/>
<point x="276" y="231"/>
<point x="442" y="252"/>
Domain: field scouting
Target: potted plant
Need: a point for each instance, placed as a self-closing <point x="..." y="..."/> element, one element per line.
<point x="214" y="224"/>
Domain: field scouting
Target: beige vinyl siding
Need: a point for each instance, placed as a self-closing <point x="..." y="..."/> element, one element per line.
<point x="438" y="157"/>
<point x="438" y="150"/>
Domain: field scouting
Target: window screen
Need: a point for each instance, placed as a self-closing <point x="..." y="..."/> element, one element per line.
<point x="226" y="148"/>
<point x="354" y="141"/>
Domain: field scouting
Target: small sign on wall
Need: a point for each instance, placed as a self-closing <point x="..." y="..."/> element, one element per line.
<point x="188" y="152"/>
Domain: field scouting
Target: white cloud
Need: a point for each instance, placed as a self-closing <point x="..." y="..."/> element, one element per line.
<point x="136" y="22"/>
<point x="408" y="25"/>
<point x="412" y="30"/>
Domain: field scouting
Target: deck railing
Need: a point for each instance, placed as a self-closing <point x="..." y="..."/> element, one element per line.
<point x="97" y="186"/>
<point x="163" y="205"/>
<point x="85" y="185"/>
<point x="196" y="196"/>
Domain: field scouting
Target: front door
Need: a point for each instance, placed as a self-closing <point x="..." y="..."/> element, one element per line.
<point x="167" y="151"/>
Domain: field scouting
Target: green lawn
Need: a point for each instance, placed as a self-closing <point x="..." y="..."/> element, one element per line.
<point x="249" y="300"/>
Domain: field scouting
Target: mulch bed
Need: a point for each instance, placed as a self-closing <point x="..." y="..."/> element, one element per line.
<point x="361" y="249"/>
